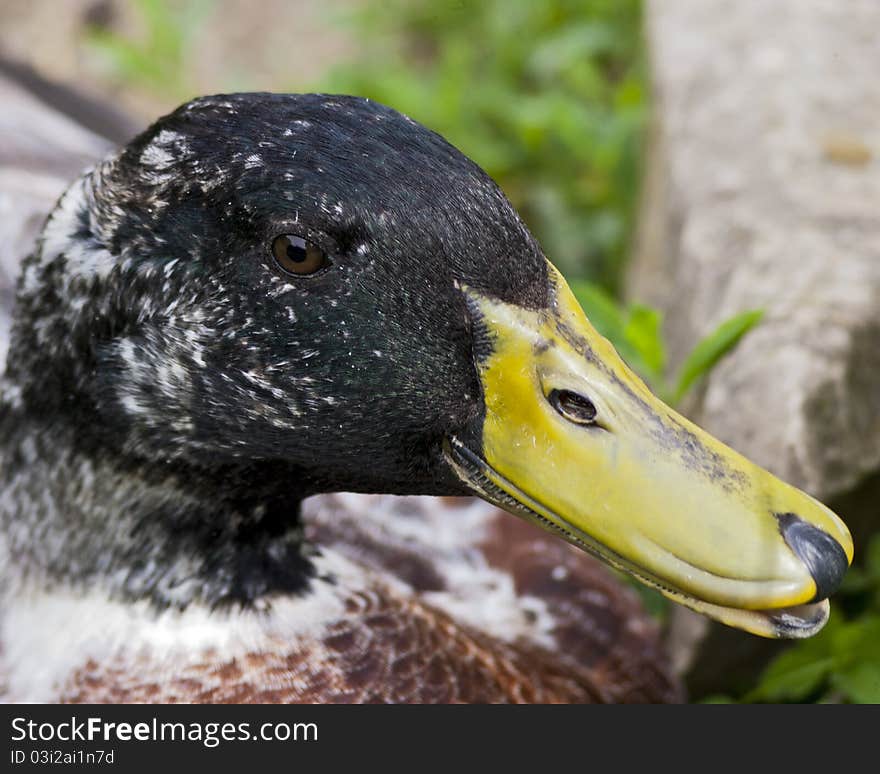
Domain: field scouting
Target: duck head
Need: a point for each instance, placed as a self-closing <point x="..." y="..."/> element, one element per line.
<point x="291" y="294"/>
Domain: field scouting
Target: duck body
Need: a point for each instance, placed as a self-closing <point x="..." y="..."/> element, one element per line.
<point x="389" y="617"/>
<point x="178" y="391"/>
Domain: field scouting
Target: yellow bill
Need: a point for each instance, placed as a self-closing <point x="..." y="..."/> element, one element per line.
<point x="575" y="442"/>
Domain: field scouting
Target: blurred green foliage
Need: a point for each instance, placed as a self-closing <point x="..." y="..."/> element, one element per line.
<point x="157" y="60"/>
<point x="842" y="662"/>
<point x="636" y="333"/>
<point x="548" y="97"/>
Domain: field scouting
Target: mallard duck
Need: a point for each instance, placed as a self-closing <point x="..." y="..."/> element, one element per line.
<point x="267" y="297"/>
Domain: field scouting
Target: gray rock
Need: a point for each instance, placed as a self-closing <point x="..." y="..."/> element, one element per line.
<point x="764" y="192"/>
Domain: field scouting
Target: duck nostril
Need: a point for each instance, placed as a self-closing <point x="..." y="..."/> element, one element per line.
<point x="573" y="407"/>
<point x="823" y="556"/>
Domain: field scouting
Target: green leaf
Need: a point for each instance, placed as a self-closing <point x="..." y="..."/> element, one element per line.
<point x="860" y="682"/>
<point x="643" y="334"/>
<point x="713" y="347"/>
<point x="610" y="319"/>
<point x="792" y="676"/>
<point x="802" y="670"/>
<point x="856" y="646"/>
<point x="857" y="640"/>
<point x="606" y="315"/>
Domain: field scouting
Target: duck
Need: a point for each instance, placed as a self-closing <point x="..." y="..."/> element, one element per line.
<point x="295" y="409"/>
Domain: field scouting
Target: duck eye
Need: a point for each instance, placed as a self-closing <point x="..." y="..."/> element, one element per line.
<point x="294" y="255"/>
<point x="575" y="408"/>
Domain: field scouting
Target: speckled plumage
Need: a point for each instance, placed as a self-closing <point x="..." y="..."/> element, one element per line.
<point x="433" y="602"/>
<point x="170" y="399"/>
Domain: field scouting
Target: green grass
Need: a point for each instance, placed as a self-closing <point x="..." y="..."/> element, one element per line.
<point x="548" y="97"/>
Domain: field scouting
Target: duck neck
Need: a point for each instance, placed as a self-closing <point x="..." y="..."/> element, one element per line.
<point x="74" y="512"/>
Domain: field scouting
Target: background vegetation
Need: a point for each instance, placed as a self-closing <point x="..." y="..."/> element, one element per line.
<point x="550" y="98"/>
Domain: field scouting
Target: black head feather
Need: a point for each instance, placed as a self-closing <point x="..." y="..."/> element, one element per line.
<point x="155" y="337"/>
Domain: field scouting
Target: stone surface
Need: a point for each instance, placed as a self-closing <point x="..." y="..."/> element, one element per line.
<point x="764" y="192"/>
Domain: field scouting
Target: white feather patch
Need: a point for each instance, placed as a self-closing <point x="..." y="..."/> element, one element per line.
<point x="476" y="594"/>
<point x="47" y="636"/>
<point x="84" y="259"/>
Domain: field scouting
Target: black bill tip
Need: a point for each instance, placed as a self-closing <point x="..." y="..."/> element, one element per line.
<point x="823" y="556"/>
